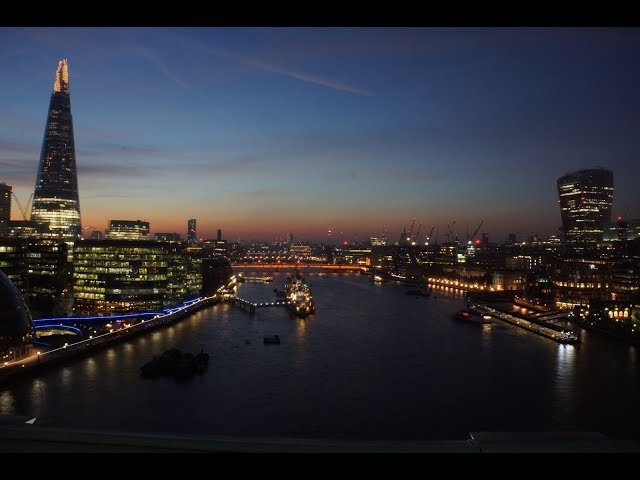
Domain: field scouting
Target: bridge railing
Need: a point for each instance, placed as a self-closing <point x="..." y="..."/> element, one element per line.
<point x="293" y="266"/>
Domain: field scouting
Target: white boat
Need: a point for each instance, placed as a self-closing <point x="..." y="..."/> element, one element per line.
<point x="299" y="295"/>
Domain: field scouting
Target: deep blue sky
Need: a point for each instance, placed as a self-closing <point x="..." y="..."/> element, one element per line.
<point x="264" y="131"/>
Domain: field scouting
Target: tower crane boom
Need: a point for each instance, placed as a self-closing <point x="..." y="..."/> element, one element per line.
<point x="412" y="224"/>
<point x="476" y="230"/>
<point x="431" y="233"/>
<point x="417" y="233"/>
<point x="451" y="229"/>
<point x="23" y="210"/>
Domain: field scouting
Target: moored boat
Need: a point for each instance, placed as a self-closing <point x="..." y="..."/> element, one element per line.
<point x="472" y="316"/>
<point x="298" y="294"/>
<point x="175" y="363"/>
<point x="418" y="293"/>
<point x="271" y="340"/>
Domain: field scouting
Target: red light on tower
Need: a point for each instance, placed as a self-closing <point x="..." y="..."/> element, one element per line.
<point x="619" y="218"/>
<point x="345" y="242"/>
<point x="477" y="242"/>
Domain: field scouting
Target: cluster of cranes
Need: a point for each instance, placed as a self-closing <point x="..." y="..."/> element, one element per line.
<point x="451" y="236"/>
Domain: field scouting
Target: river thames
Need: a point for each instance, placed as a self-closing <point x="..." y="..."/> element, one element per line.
<point x="373" y="363"/>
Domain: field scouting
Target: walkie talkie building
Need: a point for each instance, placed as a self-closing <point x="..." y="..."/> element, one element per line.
<point x="586" y="199"/>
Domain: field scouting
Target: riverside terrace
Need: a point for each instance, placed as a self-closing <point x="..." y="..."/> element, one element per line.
<point x="123" y="328"/>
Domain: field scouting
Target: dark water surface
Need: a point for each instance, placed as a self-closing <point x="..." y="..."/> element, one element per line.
<point x="372" y="363"/>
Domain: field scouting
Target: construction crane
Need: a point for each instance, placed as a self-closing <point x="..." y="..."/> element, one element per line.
<point x="476" y="231"/>
<point x="412" y="224"/>
<point x="23" y="211"/>
<point x="430" y="233"/>
<point x="415" y="240"/>
<point x="450" y="228"/>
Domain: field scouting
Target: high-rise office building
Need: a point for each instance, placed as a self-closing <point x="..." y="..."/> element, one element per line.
<point x="128" y="230"/>
<point x="216" y="272"/>
<point x="56" y="206"/>
<point x="38" y="268"/>
<point x="192" y="239"/>
<point x="167" y="237"/>
<point x="219" y="237"/>
<point x="22" y="229"/>
<point x="622" y="230"/>
<point x="119" y="276"/>
<point x="5" y="209"/>
<point x="586" y="198"/>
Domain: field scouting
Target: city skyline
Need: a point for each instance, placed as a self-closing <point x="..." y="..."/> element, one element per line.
<point x="261" y="132"/>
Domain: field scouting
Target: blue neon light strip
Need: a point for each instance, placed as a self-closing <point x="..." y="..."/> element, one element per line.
<point x="104" y="318"/>
<point x="116" y="317"/>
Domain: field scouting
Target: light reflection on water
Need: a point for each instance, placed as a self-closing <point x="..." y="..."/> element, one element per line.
<point x="39" y="396"/>
<point x="90" y="367"/>
<point x="564" y="379"/>
<point x="372" y="363"/>
<point x="301" y="339"/>
<point x="66" y="374"/>
<point x="565" y="365"/>
<point x="7" y="403"/>
<point x="486" y="336"/>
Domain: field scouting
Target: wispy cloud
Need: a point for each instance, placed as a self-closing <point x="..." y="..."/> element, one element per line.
<point x="414" y="176"/>
<point x="141" y="167"/>
<point x="235" y="165"/>
<point x="113" y="195"/>
<point x="7" y="145"/>
<point x="275" y="192"/>
<point x="239" y="165"/>
<point x="7" y="54"/>
<point x="343" y="87"/>
<point x="100" y="149"/>
<point x="23" y="126"/>
<point x="18" y="173"/>
<point x="273" y="68"/>
<point x="114" y="169"/>
<point x="150" y="55"/>
<point x="18" y="163"/>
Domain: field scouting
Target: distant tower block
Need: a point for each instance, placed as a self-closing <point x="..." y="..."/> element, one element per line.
<point x="5" y="209"/>
<point x="192" y="238"/>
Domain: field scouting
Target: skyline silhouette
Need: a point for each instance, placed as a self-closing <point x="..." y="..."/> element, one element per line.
<point x="265" y="131"/>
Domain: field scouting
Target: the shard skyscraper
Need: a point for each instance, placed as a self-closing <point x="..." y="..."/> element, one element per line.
<point x="56" y="206"/>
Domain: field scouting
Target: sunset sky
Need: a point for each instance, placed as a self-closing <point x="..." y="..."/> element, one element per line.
<point x="264" y="131"/>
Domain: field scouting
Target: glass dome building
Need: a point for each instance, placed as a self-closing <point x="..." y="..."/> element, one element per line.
<point x="16" y="325"/>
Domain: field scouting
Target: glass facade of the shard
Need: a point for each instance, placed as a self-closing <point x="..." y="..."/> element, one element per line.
<point x="56" y="206"/>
